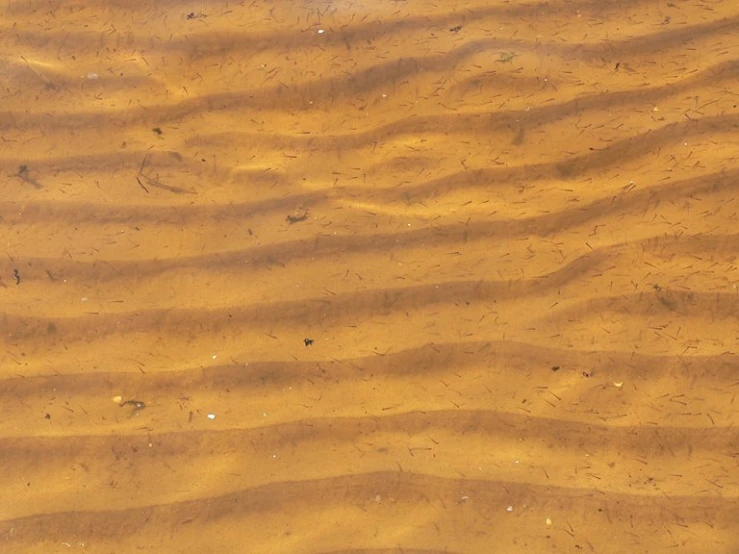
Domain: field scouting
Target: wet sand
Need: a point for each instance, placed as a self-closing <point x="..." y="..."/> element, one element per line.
<point x="363" y="277"/>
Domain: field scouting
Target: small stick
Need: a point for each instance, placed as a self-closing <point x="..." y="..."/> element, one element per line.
<point x="137" y="404"/>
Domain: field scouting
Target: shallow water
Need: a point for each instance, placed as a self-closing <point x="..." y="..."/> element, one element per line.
<point x="302" y="277"/>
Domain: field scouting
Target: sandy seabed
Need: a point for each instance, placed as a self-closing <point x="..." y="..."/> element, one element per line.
<point x="369" y="277"/>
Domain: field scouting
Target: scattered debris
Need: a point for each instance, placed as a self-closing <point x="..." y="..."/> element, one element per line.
<point x="137" y="404"/>
<point x="506" y="57"/>
<point x="22" y="174"/>
<point x="297" y="218"/>
<point x="154" y="182"/>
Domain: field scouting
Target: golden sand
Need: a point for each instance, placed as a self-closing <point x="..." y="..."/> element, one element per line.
<point x="369" y="277"/>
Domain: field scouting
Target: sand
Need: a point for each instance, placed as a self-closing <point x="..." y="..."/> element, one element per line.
<point x="369" y="277"/>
